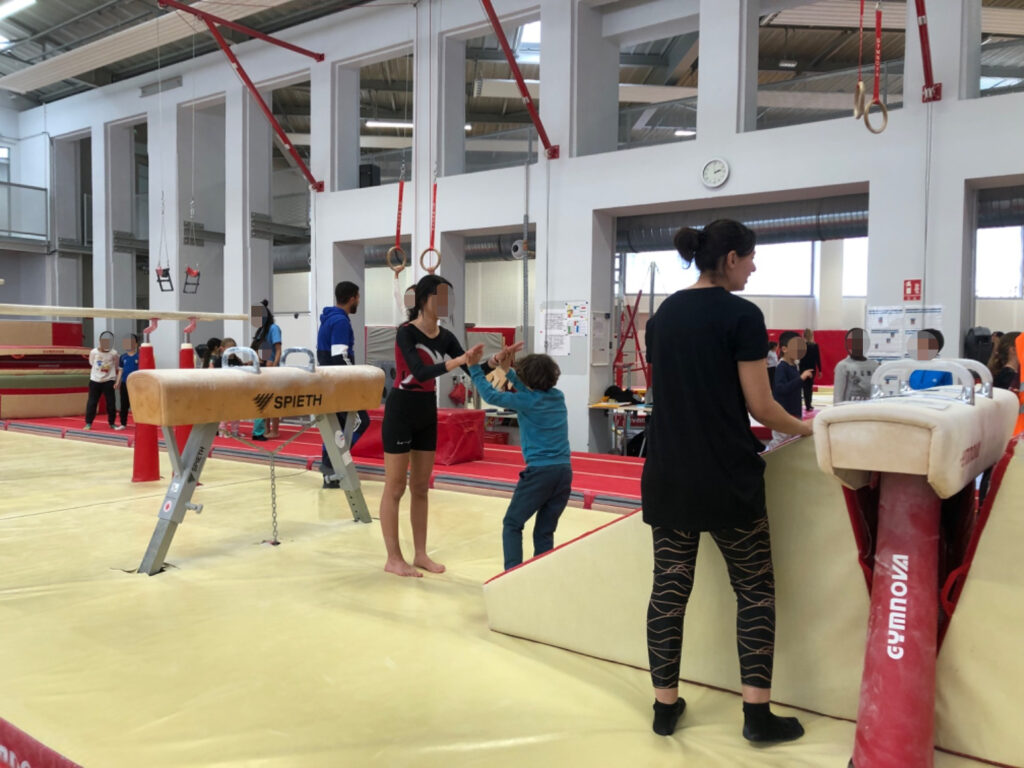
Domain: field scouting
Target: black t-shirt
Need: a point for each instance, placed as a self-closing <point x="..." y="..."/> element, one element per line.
<point x="1007" y="378"/>
<point x="811" y="361"/>
<point x="703" y="471"/>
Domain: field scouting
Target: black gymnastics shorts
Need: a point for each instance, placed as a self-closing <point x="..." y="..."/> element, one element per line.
<point x="410" y="422"/>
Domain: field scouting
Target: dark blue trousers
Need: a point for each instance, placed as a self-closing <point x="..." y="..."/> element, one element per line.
<point x="543" y="491"/>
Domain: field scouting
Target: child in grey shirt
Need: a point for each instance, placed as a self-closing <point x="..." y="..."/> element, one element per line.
<point x="853" y="374"/>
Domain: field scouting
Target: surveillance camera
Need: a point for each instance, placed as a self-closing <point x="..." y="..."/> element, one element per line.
<point x="520" y="249"/>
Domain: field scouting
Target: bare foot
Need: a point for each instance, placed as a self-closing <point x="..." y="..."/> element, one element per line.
<point x="401" y="568"/>
<point x="424" y="562"/>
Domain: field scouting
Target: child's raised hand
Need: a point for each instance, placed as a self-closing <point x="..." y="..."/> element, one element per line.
<point x="806" y="375"/>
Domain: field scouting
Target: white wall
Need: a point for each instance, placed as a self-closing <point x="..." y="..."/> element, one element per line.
<point x="575" y="199"/>
<point x="1000" y="314"/>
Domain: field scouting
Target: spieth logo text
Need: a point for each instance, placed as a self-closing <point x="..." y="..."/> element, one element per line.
<point x="287" y="401"/>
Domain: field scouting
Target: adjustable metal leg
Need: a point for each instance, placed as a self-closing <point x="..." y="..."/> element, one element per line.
<point x="179" y="493"/>
<point x="341" y="460"/>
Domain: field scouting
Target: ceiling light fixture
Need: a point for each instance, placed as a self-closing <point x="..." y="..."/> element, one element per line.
<point x="389" y="124"/>
<point x="13" y="6"/>
<point x="788" y="64"/>
<point x="682" y="133"/>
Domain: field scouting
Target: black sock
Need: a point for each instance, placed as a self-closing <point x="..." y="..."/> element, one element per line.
<point x="666" y="716"/>
<point x="760" y="725"/>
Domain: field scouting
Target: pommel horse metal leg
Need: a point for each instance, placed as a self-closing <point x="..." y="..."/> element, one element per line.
<point x="187" y="468"/>
<point x="341" y="460"/>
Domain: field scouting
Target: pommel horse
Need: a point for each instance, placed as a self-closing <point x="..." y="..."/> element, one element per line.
<point x="204" y="398"/>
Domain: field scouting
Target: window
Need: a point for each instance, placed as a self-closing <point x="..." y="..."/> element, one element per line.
<point x="785" y="269"/>
<point x="855" y="267"/>
<point x="671" y="273"/>
<point x="999" y="263"/>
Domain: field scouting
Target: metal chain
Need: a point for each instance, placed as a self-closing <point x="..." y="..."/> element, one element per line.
<point x="273" y="499"/>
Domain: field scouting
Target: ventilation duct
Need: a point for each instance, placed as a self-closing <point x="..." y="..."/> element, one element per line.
<point x="482" y="248"/>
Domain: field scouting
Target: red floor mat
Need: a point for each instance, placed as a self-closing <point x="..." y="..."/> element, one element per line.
<point x="604" y="480"/>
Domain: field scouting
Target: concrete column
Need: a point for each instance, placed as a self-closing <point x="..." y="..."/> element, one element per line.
<point x="969" y="74"/>
<point x="727" y="102"/>
<point x="829" y="295"/>
<point x="119" y="169"/>
<point x="426" y="117"/>
<point x="453" y="269"/>
<point x="67" y="190"/>
<point x="237" y="258"/>
<point x="453" y="107"/>
<point x="260" y="157"/>
<point x="102" y="287"/>
<point x="344" y="113"/>
<point x="348" y="263"/>
<point x="596" y="111"/>
<point x="164" y="228"/>
<point x="557" y="72"/>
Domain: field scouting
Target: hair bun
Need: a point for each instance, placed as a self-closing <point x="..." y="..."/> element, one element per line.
<point x="687" y="241"/>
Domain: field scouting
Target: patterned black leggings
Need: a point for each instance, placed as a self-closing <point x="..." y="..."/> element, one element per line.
<point x="748" y="555"/>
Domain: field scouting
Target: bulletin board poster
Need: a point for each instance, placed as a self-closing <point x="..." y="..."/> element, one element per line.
<point x="918" y="319"/>
<point x="577" y="318"/>
<point x="556" y="338"/>
<point x="886" y="326"/>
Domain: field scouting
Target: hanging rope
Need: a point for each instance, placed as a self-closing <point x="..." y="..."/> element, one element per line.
<point x="163" y="257"/>
<point x="861" y="107"/>
<point x="431" y="269"/>
<point x="396" y="249"/>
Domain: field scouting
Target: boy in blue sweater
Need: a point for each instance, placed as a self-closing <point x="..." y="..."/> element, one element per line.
<point x="788" y="385"/>
<point x="546" y="483"/>
<point x="335" y="345"/>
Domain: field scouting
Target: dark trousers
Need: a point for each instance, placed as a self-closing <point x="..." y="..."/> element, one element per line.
<point x="808" y="387"/>
<point x="126" y="405"/>
<point x="96" y="388"/>
<point x="326" y="467"/>
<point x="541" y="490"/>
<point x="748" y="557"/>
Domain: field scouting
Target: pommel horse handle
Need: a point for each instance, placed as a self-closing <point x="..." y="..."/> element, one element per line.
<point x="244" y="354"/>
<point x="310" y="366"/>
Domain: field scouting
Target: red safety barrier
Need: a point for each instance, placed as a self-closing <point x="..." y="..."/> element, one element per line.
<point x="186" y="361"/>
<point x="896" y="717"/>
<point x="146" y="467"/>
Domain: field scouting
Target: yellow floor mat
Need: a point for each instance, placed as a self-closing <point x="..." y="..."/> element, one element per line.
<point x="306" y="654"/>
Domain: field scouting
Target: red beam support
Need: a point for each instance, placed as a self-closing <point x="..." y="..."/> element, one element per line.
<point x="313" y="183"/>
<point x="212" y="22"/>
<point x="552" y="151"/>
<point x="932" y="91"/>
<point x="208" y="17"/>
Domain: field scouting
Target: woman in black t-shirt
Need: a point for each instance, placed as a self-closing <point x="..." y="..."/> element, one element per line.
<point x="1004" y="364"/>
<point x="707" y="350"/>
<point x="423" y="351"/>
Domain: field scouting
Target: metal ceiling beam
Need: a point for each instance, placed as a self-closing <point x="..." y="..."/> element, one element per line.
<point x="50" y="30"/>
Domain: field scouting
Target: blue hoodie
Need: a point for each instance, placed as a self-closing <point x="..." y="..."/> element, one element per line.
<point x="335" y="341"/>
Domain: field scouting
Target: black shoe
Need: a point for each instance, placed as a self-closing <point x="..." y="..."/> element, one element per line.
<point x="666" y="716"/>
<point x="331" y="483"/>
<point x="259" y="438"/>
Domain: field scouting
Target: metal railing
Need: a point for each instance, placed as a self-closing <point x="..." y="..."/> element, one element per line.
<point x="645" y="125"/>
<point x="24" y="211"/>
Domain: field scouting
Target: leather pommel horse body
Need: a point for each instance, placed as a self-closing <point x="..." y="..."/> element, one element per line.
<point x="905" y="452"/>
<point x="204" y="398"/>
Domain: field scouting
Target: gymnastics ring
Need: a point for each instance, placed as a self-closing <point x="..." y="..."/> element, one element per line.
<point x="391" y="265"/>
<point x="885" y="117"/>
<point x="423" y="260"/>
<point x="858" y="101"/>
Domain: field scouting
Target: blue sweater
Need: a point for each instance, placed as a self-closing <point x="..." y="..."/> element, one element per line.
<point x="543" y="418"/>
<point x="787" y="388"/>
<point x="335" y="341"/>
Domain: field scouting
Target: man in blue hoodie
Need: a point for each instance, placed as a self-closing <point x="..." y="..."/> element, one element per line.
<point x="335" y="345"/>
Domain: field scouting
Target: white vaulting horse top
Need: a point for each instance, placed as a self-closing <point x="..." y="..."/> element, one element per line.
<point x="949" y="434"/>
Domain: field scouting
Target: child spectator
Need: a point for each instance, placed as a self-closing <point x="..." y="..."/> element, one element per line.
<point x="104" y="378"/>
<point x="129" y="363"/>
<point x="789" y="380"/>
<point x="546" y="483"/>
<point x="929" y="343"/>
<point x="773" y="361"/>
<point x="853" y="374"/>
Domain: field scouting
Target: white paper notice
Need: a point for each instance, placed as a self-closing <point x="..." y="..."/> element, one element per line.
<point x="556" y="340"/>
<point x="577" y="318"/>
<point x="885" y="319"/>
